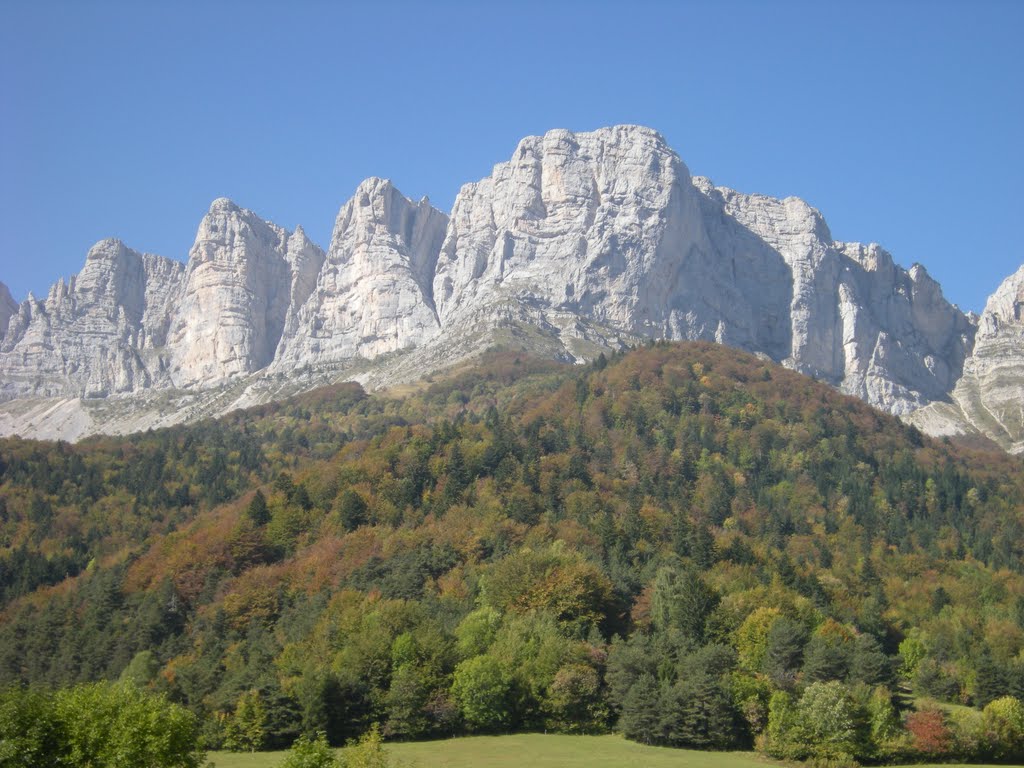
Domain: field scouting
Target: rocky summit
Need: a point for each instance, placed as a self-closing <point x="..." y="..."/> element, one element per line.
<point x="581" y="242"/>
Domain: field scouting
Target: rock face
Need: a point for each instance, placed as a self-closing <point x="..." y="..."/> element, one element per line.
<point x="373" y="294"/>
<point x="95" y="335"/>
<point x="8" y="306"/>
<point x="989" y="397"/>
<point x="130" y="322"/>
<point x="581" y="242"/>
<point x="236" y="297"/>
<point x="599" y="225"/>
<point x="609" y="227"/>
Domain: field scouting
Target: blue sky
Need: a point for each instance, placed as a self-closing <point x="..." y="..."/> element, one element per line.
<point x="901" y="121"/>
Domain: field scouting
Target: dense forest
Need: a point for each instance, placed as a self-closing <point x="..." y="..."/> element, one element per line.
<point x="683" y="542"/>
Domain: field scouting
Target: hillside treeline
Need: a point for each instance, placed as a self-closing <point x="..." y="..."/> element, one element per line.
<point x="683" y="542"/>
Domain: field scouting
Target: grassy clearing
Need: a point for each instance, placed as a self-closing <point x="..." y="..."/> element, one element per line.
<point x="540" y="751"/>
<point x="535" y="751"/>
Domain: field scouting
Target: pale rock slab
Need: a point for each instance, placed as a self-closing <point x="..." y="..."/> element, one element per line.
<point x="582" y="242"/>
<point x="989" y="398"/>
<point x="97" y="334"/>
<point x="373" y="294"/>
<point x="236" y="296"/>
<point x="855" y="318"/>
<point x="609" y="228"/>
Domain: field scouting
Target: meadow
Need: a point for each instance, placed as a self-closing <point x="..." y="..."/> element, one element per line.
<point x="534" y="750"/>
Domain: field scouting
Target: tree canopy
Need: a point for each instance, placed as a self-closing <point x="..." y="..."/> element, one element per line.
<point x="681" y="542"/>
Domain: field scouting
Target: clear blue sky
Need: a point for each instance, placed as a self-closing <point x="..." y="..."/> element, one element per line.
<point x="901" y="121"/>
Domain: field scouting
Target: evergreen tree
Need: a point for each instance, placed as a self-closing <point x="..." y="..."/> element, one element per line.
<point x="702" y="545"/>
<point x="257" y="510"/>
<point x="784" y="651"/>
<point x="698" y="712"/>
<point x="352" y="510"/>
<point x="825" y="659"/>
<point x="627" y="661"/>
<point x="868" y="662"/>
<point x="641" y="718"/>
<point x="988" y="679"/>
<point x="406" y="704"/>
<point x="682" y="601"/>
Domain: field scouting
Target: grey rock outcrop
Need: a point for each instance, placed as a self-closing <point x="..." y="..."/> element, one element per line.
<point x="610" y="228"/>
<point x="97" y="334"/>
<point x="989" y="398"/>
<point x="236" y="296"/>
<point x="373" y="294"/>
<point x="857" y="320"/>
<point x="8" y="306"/>
<point x="130" y="322"/>
<point x="581" y="242"/>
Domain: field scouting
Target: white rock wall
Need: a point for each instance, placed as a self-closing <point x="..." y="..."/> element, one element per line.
<point x="373" y="293"/>
<point x="580" y="240"/>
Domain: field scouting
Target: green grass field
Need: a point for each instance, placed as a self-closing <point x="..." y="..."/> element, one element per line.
<point x="534" y="751"/>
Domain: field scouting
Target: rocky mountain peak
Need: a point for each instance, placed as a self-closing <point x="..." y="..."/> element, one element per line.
<point x="579" y="242"/>
<point x="107" y="249"/>
<point x="237" y="291"/>
<point x="1004" y="308"/>
<point x="376" y="208"/>
<point x="371" y="187"/>
<point x="299" y="245"/>
<point x="93" y="333"/>
<point x="224" y="205"/>
<point x="231" y="231"/>
<point x="871" y="257"/>
<point x="372" y="294"/>
<point x="574" y="221"/>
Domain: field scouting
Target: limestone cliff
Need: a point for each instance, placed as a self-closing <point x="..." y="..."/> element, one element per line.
<point x="237" y="291"/>
<point x="609" y="227"/>
<point x="8" y="306"/>
<point x="96" y="334"/>
<point x="989" y="398"/>
<point x="580" y="242"/>
<point x="373" y="293"/>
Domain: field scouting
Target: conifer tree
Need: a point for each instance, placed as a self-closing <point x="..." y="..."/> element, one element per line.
<point x="257" y="510"/>
<point x="641" y="718"/>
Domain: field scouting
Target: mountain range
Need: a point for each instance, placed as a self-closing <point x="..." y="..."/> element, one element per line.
<point x="581" y="243"/>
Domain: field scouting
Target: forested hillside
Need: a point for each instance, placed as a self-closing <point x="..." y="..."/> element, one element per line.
<point x="683" y="542"/>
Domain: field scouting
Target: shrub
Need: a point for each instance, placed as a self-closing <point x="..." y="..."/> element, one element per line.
<point x="929" y="733"/>
<point x="311" y="753"/>
<point x="482" y="689"/>
<point x="118" y="724"/>
<point x="368" y="752"/>
<point x="1003" y="721"/>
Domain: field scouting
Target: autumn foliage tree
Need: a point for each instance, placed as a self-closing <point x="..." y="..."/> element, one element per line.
<point x="929" y="733"/>
<point x="683" y="542"/>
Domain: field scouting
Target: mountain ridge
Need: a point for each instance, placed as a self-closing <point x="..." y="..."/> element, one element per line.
<point x="580" y="243"/>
